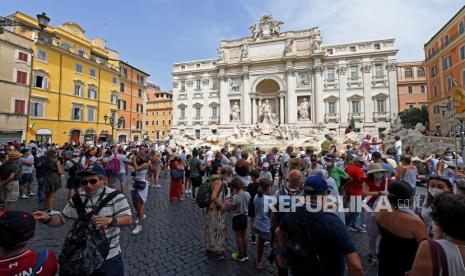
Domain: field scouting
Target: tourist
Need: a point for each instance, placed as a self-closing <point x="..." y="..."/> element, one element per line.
<point x="333" y="191"/>
<point x="272" y="159"/>
<point x="449" y="238"/>
<point x="188" y="183"/>
<point x="120" y="176"/>
<point x="374" y="186"/>
<point x="264" y="173"/>
<point x="239" y="207"/>
<point x="155" y="164"/>
<point x="52" y="178"/>
<point x="26" y="163"/>
<point x="112" y="216"/>
<point x="176" y="179"/>
<point x="215" y="218"/>
<point x="196" y="168"/>
<point x="262" y="218"/>
<point x="460" y="185"/>
<point x="353" y="191"/>
<point x="10" y="173"/>
<point x="73" y="166"/>
<point x="139" y="189"/>
<point x="398" y="148"/>
<point x="252" y="190"/>
<point x="331" y="245"/>
<point x="314" y="165"/>
<point x="337" y="173"/>
<point x="283" y="163"/>
<point x="377" y="158"/>
<point x="401" y="231"/>
<point x="216" y="164"/>
<point x="16" y="229"/>
<point x="406" y="171"/>
<point x="436" y="185"/>
<point x="233" y="157"/>
<point x="242" y="170"/>
<point x="366" y="143"/>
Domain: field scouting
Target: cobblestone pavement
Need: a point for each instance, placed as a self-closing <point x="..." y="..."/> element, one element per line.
<point x="172" y="242"/>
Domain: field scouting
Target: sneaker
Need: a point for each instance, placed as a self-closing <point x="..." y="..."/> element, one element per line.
<point x="24" y="196"/>
<point x="137" y="230"/>
<point x="220" y="257"/>
<point x="190" y="191"/>
<point x="243" y="259"/>
<point x="235" y="256"/>
<point x="136" y="221"/>
<point x="361" y="230"/>
<point x="30" y="194"/>
<point x="353" y="229"/>
<point x="253" y="239"/>
<point x="158" y="186"/>
<point x="267" y="243"/>
<point x="259" y="266"/>
<point x="153" y="185"/>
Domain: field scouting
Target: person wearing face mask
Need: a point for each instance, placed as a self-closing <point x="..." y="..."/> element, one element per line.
<point x="337" y="173"/>
<point x="436" y="185"/>
<point x="353" y="191"/>
<point x="112" y="216"/>
<point x="374" y="186"/>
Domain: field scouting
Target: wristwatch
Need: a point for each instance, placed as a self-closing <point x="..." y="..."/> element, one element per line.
<point x="113" y="222"/>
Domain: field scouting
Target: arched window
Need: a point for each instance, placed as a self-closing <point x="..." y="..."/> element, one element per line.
<point x="421" y="72"/>
<point x="408" y="73"/>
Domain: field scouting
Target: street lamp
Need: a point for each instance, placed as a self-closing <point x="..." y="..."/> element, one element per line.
<point x="43" y="20"/>
<point x="111" y="122"/>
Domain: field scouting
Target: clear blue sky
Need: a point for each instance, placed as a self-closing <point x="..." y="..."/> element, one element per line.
<point x="154" y="34"/>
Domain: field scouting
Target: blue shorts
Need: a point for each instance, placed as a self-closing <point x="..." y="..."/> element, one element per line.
<point x="26" y="178"/>
<point x="121" y="177"/>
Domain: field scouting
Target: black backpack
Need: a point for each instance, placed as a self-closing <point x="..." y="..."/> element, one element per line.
<point x="75" y="169"/>
<point x="86" y="247"/>
<point x="302" y="255"/>
<point x="204" y="193"/>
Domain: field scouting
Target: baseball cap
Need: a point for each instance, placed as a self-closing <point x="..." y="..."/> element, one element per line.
<point x="76" y="152"/>
<point x="315" y="185"/>
<point x="16" y="228"/>
<point x="93" y="170"/>
<point x="357" y="158"/>
<point x="329" y="157"/>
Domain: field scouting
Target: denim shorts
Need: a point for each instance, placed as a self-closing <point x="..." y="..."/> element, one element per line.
<point x="121" y="178"/>
<point x="26" y="178"/>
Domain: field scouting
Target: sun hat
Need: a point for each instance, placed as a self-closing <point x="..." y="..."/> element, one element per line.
<point x="14" y="154"/>
<point x="375" y="167"/>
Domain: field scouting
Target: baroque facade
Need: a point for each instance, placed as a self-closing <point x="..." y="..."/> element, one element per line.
<point x="286" y="78"/>
<point x="411" y="85"/>
<point x="159" y="115"/>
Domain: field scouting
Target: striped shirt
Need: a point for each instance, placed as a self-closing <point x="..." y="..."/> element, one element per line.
<point x="117" y="207"/>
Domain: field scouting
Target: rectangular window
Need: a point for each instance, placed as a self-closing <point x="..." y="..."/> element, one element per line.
<point x="463" y="77"/>
<point x="40" y="82"/>
<point x="197" y="134"/>
<point x="20" y="106"/>
<point x="214" y="111"/>
<point x="23" y="56"/>
<point x="420" y="72"/>
<point x="139" y="93"/>
<point x="352" y="49"/>
<point x="90" y="114"/>
<point x="354" y="72"/>
<point x="21" y="77"/>
<point x="197" y="112"/>
<point x="140" y="79"/>
<point x="37" y="109"/>
<point x="78" y="90"/>
<point x="331" y="74"/>
<point x="332" y="108"/>
<point x="42" y="55"/>
<point x="446" y="40"/>
<point x="461" y="27"/>
<point x="124" y="72"/>
<point x="435" y="90"/>
<point x="462" y="52"/>
<point x="81" y="53"/>
<point x="215" y="84"/>
<point x="411" y="105"/>
<point x="408" y="73"/>
<point x="183" y="113"/>
<point x="92" y="73"/>
<point x="92" y="93"/>
<point x="114" y="80"/>
<point x="377" y="46"/>
<point x="121" y="87"/>
<point x="183" y="86"/>
<point x="197" y="84"/>
<point x="434" y="71"/>
<point x="380" y="104"/>
<point x="121" y="104"/>
<point x="410" y="89"/>
<point x="78" y="68"/>
<point x="450" y="84"/>
<point x="77" y="113"/>
<point x="379" y="72"/>
<point x="447" y="63"/>
<point x="356" y="107"/>
<point x="422" y="89"/>
<point x="114" y="98"/>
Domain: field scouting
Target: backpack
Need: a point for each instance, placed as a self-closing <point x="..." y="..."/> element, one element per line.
<point x="303" y="259"/>
<point x="204" y="193"/>
<point x="391" y="151"/>
<point x="75" y="169"/>
<point x="40" y="261"/>
<point x="86" y="247"/>
<point x="114" y="164"/>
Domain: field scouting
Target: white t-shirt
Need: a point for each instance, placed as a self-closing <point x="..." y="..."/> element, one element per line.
<point x="398" y="146"/>
<point x="27" y="168"/>
<point x="209" y="155"/>
<point x="69" y="164"/>
<point x="122" y="162"/>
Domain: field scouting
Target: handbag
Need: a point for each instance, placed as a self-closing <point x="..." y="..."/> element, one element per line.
<point x="139" y="185"/>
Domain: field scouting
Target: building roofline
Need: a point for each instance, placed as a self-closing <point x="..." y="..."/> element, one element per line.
<point x="194" y="61"/>
<point x="358" y="42"/>
<point x="127" y="64"/>
<point x="445" y="25"/>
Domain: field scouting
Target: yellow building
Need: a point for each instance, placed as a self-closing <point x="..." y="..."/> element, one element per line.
<point x="75" y="84"/>
<point x="159" y="115"/>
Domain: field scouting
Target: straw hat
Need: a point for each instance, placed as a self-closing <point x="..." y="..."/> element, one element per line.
<point x="375" y="167"/>
<point x="14" y="154"/>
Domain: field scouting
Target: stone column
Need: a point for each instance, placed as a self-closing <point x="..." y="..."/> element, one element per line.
<point x="254" y="111"/>
<point x="224" y="101"/>
<point x="281" y="109"/>
<point x="291" y="96"/>
<point x="343" y="103"/>
<point x="319" y="104"/>
<point x="245" y="101"/>
<point x="369" y="104"/>
<point x="393" y="97"/>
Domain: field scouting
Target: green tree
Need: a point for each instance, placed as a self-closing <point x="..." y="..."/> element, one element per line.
<point x="412" y="116"/>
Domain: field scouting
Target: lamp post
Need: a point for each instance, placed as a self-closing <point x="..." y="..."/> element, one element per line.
<point x="111" y="122"/>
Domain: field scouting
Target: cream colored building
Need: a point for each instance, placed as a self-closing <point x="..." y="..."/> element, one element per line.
<point x="15" y="77"/>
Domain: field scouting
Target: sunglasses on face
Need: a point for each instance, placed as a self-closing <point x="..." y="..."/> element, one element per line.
<point x="91" y="181"/>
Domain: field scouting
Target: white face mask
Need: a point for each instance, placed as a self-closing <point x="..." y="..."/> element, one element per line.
<point x="435" y="191"/>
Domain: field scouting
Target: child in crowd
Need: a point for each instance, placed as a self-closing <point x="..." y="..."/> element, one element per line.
<point x="262" y="218"/>
<point x="265" y="173"/>
<point x="252" y="189"/>
<point x="239" y="206"/>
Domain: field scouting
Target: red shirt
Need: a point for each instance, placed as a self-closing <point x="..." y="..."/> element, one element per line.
<point x="23" y="263"/>
<point x="357" y="176"/>
<point x="373" y="188"/>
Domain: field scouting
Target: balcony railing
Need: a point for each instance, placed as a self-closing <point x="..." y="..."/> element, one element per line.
<point x="331" y="117"/>
<point x="197" y="120"/>
<point x="381" y="115"/>
<point x="214" y="120"/>
<point x="198" y="95"/>
<point x="182" y="121"/>
<point x="358" y="116"/>
<point x="213" y="94"/>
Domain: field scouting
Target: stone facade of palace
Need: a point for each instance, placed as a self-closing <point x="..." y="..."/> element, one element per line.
<point x="275" y="78"/>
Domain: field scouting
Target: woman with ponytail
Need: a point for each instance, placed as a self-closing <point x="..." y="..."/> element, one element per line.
<point x="401" y="231"/>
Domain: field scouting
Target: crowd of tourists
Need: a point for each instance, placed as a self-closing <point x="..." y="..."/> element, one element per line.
<point x="272" y="199"/>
